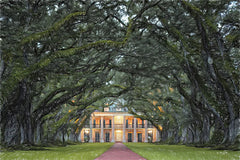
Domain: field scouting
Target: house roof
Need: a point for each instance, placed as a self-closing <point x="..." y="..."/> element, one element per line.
<point x="111" y="114"/>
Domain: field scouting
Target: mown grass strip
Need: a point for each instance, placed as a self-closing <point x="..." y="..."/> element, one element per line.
<point x="85" y="151"/>
<point x="180" y="152"/>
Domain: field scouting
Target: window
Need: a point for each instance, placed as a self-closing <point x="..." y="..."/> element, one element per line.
<point x="139" y="137"/>
<point x="118" y="109"/>
<point x="110" y="123"/>
<point x="129" y="137"/>
<point x="97" y="137"/>
<point x="107" y="137"/>
<point x="106" y="109"/>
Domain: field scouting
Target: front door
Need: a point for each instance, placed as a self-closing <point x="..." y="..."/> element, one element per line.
<point x="107" y="135"/>
<point x="139" y="137"/>
<point x="129" y="137"/>
<point x="118" y="136"/>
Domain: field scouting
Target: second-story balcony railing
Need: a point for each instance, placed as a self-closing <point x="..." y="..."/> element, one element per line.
<point x="119" y="126"/>
<point x="107" y="126"/>
<point x="137" y="126"/>
<point x="96" y="126"/>
<point x="140" y="126"/>
<point x="104" y="126"/>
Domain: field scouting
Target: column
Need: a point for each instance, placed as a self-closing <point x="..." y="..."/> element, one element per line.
<point x="157" y="135"/>
<point x="80" y="136"/>
<point x="101" y="136"/>
<point x="90" y="134"/>
<point x="135" y="132"/>
<point x="146" y="133"/>
<point x="113" y="137"/>
<point x="124" y="129"/>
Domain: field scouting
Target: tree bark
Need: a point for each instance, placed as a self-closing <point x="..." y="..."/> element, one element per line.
<point x="16" y="118"/>
<point x="205" y="132"/>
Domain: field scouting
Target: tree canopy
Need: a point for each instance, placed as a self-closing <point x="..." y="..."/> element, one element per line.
<point x="174" y="63"/>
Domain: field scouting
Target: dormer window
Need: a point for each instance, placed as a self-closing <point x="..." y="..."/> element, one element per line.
<point x="106" y="109"/>
<point x="118" y="109"/>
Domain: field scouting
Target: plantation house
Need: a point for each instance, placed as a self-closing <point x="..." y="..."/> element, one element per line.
<point x="117" y="125"/>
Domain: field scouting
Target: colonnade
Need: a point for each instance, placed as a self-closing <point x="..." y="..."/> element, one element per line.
<point x="123" y="129"/>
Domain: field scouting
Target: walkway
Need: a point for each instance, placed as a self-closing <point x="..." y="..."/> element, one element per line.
<point x="119" y="152"/>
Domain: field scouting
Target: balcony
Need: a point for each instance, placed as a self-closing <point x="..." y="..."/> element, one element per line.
<point x="96" y="126"/>
<point x="137" y="126"/>
<point x="107" y="126"/>
<point x="119" y="126"/>
<point x="104" y="126"/>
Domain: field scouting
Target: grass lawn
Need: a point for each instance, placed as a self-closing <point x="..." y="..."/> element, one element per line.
<point x="85" y="151"/>
<point x="180" y="152"/>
